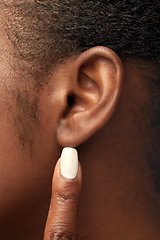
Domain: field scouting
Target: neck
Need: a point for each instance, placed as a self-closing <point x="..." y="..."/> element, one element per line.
<point x="117" y="196"/>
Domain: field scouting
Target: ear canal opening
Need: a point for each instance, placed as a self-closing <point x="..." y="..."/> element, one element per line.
<point x="70" y="101"/>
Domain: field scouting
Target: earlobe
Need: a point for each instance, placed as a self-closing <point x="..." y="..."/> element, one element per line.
<point x="93" y="93"/>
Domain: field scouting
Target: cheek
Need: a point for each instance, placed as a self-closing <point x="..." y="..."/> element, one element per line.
<point x="26" y="170"/>
<point x="25" y="177"/>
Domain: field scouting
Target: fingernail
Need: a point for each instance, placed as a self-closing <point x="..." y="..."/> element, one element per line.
<point x="69" y="163"/>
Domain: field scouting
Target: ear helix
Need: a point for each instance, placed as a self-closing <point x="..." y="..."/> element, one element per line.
<point x="93" y="90"/>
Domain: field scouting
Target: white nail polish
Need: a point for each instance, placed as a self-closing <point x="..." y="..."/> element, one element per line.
<point x="69" y="163"/>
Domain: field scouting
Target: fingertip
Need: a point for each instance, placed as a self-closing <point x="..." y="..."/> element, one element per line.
<point x="68" y="172"/>
<point x="69" y="163"/>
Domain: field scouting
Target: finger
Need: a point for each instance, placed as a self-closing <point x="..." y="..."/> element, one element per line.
<point x="66" y="186"/>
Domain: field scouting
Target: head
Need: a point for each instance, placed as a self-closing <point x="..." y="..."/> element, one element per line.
<point x="68" y="71"/>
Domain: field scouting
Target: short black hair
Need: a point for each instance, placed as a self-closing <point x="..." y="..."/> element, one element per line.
<point x="51" y="30"/>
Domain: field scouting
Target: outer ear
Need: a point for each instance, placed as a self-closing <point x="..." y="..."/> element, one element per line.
<point x="94" y="87"/>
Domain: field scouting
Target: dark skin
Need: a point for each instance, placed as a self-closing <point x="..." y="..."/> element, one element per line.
<point x="117" y="198"/>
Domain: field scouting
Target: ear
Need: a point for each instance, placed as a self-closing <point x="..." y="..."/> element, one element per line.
<point x="93" y="90"/>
